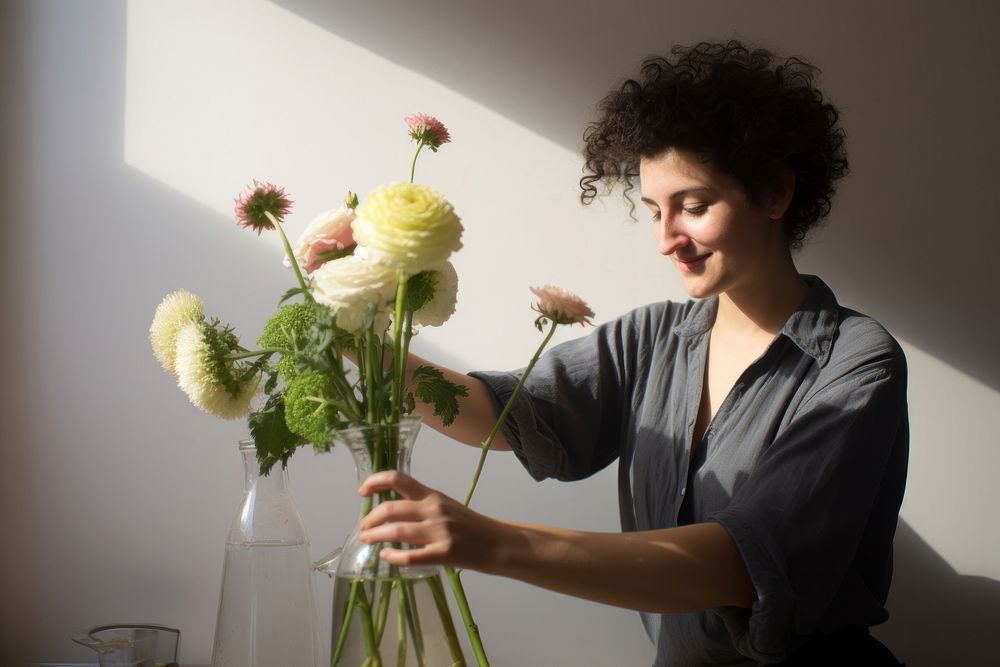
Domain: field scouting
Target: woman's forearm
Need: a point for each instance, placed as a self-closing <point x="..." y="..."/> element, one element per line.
<point x="476" y="414"/>
<point x="678" y="570"/>
<point x="675" y="570"/>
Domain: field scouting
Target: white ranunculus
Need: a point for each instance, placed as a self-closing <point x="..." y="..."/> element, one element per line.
<point x="408" y="227"/>
<point x="350" y="284"/>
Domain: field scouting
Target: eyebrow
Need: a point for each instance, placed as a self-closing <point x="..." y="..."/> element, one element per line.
<point x="679" y="193"/>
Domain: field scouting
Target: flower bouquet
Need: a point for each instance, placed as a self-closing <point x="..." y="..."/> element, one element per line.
<point x="331" y="366"/>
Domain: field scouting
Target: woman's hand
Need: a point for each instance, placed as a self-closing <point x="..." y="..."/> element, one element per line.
<point x="445" y="531"/>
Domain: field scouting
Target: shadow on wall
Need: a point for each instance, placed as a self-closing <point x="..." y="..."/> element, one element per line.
<point x="937" y="616"/>
<point x="915" y="226"/>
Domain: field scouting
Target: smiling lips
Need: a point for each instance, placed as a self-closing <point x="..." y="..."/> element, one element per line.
<point x="692" y="264"/>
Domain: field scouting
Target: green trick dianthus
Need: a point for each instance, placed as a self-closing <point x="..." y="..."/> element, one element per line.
<point x="308" y="409"/>
<point x="287" y="323"/>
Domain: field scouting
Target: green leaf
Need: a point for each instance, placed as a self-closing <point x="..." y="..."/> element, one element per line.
<point x="432" y="388"/>
<point x="290" y="293"/>
<point x="420" y="289"/>
<point x="271" y="436"/>
<point x="271" y="382"/>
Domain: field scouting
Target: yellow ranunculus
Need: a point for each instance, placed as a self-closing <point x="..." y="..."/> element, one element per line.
<point x="407" y="227"/>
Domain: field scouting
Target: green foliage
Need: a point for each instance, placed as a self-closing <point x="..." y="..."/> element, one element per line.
<point x="290" y="293"/>
<point x="221" y="341"/>
<point x="321" y="345"/>
<point x="287" y="323"/>
<point x="272" y="380"/>
<point x="420" y="289"/>
<point x="287" y="369"/>
<point x="274" y="441"/>
<point x="432" y="388"/>
<point x="311" y="408"/>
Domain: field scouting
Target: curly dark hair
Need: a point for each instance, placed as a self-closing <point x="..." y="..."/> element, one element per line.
<point x="743" y="112"/>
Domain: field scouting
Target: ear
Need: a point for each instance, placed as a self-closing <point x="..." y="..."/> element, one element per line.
<point x="780" y="196"/>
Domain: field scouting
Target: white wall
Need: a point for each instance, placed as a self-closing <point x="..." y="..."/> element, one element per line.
<point x="128" y="128"/>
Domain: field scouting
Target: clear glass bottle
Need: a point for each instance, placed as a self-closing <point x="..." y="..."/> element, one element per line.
<point x="386" y="614"/>
<point x="267" y="611"/>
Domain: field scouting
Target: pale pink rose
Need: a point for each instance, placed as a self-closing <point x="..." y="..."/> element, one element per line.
<point x="328" y="236"/>
<point x="560" y="306"/>
<point x="428" y="130"/>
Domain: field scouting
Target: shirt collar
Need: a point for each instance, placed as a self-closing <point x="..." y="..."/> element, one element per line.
<point x="813" y="325"/>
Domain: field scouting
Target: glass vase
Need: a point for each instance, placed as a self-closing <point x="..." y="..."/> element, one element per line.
<point x="387" y="614"/>
<point x="267" y="610"/>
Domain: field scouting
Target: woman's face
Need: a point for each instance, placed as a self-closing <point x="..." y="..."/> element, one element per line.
<point x="703" y="220"/>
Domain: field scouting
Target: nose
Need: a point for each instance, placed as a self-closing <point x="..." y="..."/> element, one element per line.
<point x="669" y="236"/>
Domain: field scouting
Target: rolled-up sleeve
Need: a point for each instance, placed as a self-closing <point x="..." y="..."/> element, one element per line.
<point x="826" y="490"/>
<point x="567" y="421"/>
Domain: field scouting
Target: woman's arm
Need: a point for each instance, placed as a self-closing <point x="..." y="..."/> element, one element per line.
<point x="476" y="415"/>
<point x="675" y="570"/>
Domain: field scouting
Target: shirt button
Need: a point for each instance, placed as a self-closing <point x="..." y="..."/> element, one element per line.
<point x="684" y="490"/>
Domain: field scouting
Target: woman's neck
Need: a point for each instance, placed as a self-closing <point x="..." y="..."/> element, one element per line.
<point x="761" y="306"/>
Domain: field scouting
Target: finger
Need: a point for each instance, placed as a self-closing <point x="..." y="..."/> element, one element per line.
<point x="407" y="532"/>
<point x="393" y="480"/>
<point x="429" y="555"/>
<point x="392" y="510"/>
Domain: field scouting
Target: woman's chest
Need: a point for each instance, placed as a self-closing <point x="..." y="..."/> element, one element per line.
<point x="759" y="396"/>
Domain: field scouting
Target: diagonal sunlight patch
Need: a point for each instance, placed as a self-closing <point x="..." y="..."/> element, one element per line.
<point x="952" y="472"/>
<point x="224" y="92"/>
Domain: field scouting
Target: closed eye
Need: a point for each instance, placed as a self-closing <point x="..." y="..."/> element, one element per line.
<point x="696" y="209"/>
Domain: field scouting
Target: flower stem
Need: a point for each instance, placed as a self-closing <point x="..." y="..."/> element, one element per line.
<point x="291" y="255"/>
<point x="398" y="359"/>
<point x="401" y="633"/>
<point x="348" y="615"/>
<point x="413" y="164"/>
<point x="371" y="381"/>
<point x="506" y="411"/>
<point x="470" y="624"/>
<point x="368" y="627"/>
<point x="437" y="590"/>
<point x="385" y="595"/>
<point x="343" y="387"/>
<point x="253" y="353"/>
<point x="407" y="601"/>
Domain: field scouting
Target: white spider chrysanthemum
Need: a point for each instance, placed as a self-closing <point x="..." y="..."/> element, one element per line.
<point x="441" y="305"/>
<point x="349" y="285"/>
<point x="177" y="310"/>
<point x="198" y="374"/>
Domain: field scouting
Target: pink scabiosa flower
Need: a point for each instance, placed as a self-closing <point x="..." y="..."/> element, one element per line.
<point x="256" y="201"/>
<point x="427" y="130"/>
<point x="560" y="306"/>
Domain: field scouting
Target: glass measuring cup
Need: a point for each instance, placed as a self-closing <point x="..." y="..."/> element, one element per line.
<point x="131" y="645"/>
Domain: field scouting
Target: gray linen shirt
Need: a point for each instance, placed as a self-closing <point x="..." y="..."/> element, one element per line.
<point x="804" y="464"/>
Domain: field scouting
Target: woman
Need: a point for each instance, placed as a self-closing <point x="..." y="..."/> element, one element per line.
<point x="761" y="429"/>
